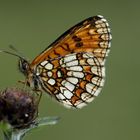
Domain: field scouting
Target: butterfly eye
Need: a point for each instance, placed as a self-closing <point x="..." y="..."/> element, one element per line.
<point x="23" y="66"/>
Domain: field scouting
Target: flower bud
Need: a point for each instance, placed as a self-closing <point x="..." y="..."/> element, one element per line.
<point x="18" y="107"/>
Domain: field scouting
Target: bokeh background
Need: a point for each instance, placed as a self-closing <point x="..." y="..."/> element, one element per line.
<point x="31" y="25"/>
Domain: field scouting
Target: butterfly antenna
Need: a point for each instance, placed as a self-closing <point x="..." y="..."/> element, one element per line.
<point x="3" y="51"/>
<point x="16" y="50"/>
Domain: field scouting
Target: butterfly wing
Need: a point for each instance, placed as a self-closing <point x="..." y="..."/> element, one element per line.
<point x="72" y="68"/>
<point x="76" y="81"/>
<point x="90" y="35"/>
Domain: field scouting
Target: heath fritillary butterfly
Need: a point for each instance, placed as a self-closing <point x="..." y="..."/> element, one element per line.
<point x="72" y="68"/>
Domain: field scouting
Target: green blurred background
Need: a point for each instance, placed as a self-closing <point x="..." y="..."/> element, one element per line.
<point x="31" y="25"/>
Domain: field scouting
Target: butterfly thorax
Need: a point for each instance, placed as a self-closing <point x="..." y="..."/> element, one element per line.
<point x="32" y="80"/>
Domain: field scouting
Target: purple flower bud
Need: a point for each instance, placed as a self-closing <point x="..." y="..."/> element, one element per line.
<point x="18" y="107"/>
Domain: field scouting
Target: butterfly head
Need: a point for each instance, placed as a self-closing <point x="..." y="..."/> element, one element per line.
<point x="30" y="73"/>
<point x="24" y="66"/>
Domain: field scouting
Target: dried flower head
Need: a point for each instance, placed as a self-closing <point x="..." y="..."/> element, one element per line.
<point x="1" y="110"/>
<point x="18" y="107"/>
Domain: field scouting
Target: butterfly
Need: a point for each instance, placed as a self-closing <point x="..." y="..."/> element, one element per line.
<point x="72" y="68"/>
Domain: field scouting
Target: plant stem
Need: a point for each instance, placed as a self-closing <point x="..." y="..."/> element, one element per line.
<point x="18" y="134"/>
<point x="13" y="135"/>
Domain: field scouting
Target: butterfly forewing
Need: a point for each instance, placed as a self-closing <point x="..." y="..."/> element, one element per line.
<point x="72" y="68"/>
<point x="92" y="34"/>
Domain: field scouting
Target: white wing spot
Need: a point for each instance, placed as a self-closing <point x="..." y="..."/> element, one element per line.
<point x="104" y="20"/>
<point x="94" y="70"/>
<point x="90" y="99"/>
<point x="90" y="61"/>
<point x="101" y="61"/>
<point x="61" y="61"/>
<point x="68" y="94"/>
<point x="88" y="55"/>
<point x="98" y="81"/>
<point x="49" y="66"/>
<point x="78" y="102"/>
<point x="103" y="71"/>
<point x="102" y="30"/>
<point x="101" y="25"/>
<point x="44" y="63"/>
<point x="69" y="58"/>
<point x="51" y="81"/>
<point x="49" y="73"/>
<point x="59" y="74"/>
<point x="66" y="103"/>
<point x="98" y="21"/>
<point x="72" y="63"/>
<point x="89" y="87"/>
<point x="91" y="31"/>
<point x="60" y="96"/>
<point x="68" y="85"/>
<point x="106" y="37"/>
<point x="85" y="96"/>
<point x="96" y="92"/>
<point x="104" y="44"/>
<point x="75" y="68"/>
<point x="81" y="105"/>
<point x="100" y="16"/>
<point x="72" y="80"/>
<point x="76" y="74"/>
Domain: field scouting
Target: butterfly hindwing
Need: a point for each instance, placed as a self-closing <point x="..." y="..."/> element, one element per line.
<point x="76" y="81"/>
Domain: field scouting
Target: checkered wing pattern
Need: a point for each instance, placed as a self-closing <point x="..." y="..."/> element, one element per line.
<point x="72" y="68"/>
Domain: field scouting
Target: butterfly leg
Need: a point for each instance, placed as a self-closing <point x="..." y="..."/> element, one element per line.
<point x="22" y="82"/>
